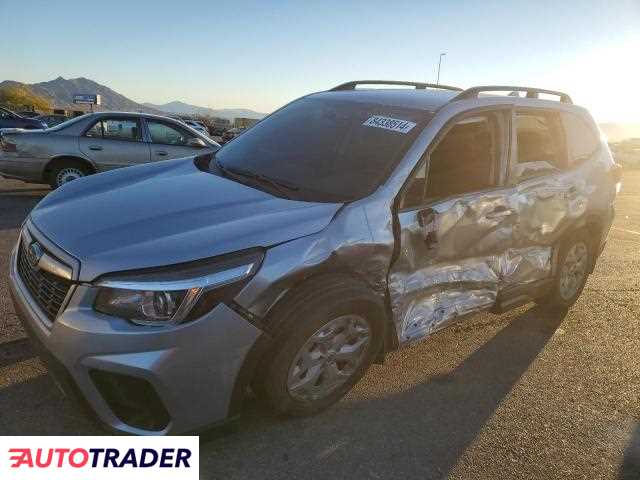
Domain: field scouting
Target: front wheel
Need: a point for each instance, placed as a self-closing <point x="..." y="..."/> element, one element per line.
<point x="328" y="338"/>
<point x="574" y="261"/>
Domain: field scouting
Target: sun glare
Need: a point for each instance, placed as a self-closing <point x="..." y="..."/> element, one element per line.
<point x="605" y="80"/>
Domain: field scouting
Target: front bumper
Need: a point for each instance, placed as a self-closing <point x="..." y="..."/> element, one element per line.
<point x="192" y="369"/>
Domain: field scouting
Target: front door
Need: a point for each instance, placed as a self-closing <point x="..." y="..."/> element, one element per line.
<point x="114" y="142"/>
<point x="456" y="222"/>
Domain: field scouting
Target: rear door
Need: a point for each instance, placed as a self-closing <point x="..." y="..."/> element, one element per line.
<point x="113" y="142"/>
<point x="169" y="140"/>
<point x="552" y="187"/>
<point x="455" y="224"/>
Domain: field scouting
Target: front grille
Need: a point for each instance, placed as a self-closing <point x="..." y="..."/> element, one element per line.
<point x="49" y="291"/>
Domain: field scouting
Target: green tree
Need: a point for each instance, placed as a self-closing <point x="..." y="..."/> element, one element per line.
<point x="19" y="96"/>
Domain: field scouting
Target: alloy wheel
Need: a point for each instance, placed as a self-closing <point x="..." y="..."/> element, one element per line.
<point x="329" y="358"/>
<point x="68" y="174"/>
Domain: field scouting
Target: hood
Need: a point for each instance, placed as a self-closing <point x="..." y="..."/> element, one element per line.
<point x="166" y="213"/>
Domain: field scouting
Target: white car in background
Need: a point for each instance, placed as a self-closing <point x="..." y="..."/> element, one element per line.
<point x="197" y="126"/>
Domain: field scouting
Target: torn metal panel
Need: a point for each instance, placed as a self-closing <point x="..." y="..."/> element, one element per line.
<point x="441" y="308"/>
<point x="457" y="258"/>
<point x="525" y="265"/>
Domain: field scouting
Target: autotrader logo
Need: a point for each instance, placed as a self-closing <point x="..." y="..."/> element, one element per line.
<point x="101" y="457"/>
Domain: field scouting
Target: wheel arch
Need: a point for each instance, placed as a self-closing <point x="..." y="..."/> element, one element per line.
<point x="592" y="226"/>
<point x="595" y="226"/>
<point x="61" y="159"/>
<point x="294" y="288"/>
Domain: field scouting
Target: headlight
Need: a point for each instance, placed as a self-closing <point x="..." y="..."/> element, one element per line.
<point x="170" y="295"/>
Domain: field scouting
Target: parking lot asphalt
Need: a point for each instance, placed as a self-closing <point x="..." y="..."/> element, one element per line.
<point x="525" y="394"/>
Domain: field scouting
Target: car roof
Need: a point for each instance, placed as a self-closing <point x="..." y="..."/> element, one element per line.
<point x="423" y="99"/>
<point x="432" y="99"/>
<point x="136" y="114"/>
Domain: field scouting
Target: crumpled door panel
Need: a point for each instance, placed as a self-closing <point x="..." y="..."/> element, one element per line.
<point x="476" y="246"/>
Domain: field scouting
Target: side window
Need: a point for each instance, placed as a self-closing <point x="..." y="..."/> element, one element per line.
<point x="464" y="160"/>
<point x="127" y="129"/>
<point x="540" y="145"/>
<point x="167" y="134"/>
<point x="95" y="131"/>
<point x="121" y="129"/>
<point x="582" y="141"/>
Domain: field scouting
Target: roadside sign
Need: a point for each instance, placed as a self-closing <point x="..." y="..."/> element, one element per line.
<point x="86" y="99"/>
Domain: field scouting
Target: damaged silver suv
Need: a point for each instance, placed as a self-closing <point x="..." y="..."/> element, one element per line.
<point x="347" y="224"/>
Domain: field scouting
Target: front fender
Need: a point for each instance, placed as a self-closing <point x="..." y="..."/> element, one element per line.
<point x="345" y="246"/>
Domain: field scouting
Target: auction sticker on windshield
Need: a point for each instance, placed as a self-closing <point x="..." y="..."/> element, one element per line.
<point x="394" y="124"/>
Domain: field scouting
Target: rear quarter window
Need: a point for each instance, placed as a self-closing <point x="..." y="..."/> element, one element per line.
<point x="582" y="140"/>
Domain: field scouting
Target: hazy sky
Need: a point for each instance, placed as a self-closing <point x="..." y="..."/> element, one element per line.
<point x="262" y="54"/>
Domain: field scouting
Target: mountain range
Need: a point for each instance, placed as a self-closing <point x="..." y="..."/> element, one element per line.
<point x="182" y="108"/>
<point x="60" y="92"/>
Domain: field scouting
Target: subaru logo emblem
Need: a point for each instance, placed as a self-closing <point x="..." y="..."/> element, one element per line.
<point x="34" y="253"/>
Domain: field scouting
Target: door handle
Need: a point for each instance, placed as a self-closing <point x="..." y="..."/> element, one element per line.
<point x="428" y="221"/>
<point x="95" y="147"/>
<point x="499" y="212"/>
<point x="161" y="153"/>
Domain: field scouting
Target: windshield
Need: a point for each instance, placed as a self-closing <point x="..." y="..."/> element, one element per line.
<point x="68" y="123"/>
<point x="325" y="149"/>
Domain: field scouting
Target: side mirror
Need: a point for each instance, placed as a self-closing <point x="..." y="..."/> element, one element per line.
<point x="196" y="143"/>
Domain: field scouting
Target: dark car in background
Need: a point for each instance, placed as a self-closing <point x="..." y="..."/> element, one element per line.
<point x="8" y="119"/>
<point x="52" y="120"/>
<point x="28" y="113"/>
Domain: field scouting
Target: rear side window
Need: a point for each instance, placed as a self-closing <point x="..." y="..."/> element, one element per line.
<point x="582" y="141"/>
<point x="465" y="160"/>
<point x="540" y="144"/>
<point x="127" y="129"/>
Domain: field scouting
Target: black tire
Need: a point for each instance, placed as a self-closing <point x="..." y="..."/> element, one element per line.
<point x="75" y="168"/>
<point x="560" y="296"/>
<point x="298" y="318"/>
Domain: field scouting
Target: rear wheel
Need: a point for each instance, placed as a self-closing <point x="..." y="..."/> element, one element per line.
<point x="67" y="172"/>
<point x="574" y="261"/>
<point x="328" y="337"/>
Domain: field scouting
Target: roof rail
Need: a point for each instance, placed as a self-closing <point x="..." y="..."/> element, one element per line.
<point x="417" y="85"/>
<point x="532" y="92"/>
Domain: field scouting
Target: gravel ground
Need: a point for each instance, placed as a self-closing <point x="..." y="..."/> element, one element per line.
<point x="519" y="395"/>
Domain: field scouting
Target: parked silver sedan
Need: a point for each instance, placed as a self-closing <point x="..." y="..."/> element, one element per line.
<point x="95" y="143"/>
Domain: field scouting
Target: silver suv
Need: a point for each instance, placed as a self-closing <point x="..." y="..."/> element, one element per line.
<point x="345" y="225"/>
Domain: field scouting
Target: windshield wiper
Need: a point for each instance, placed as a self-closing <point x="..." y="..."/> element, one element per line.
<point x="279" y="185"/>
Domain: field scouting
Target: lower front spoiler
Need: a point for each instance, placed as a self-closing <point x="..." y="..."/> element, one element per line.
<point x="193" y="373"/>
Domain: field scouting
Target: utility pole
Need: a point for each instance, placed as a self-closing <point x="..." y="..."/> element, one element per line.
<point x="439" y="64"/>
